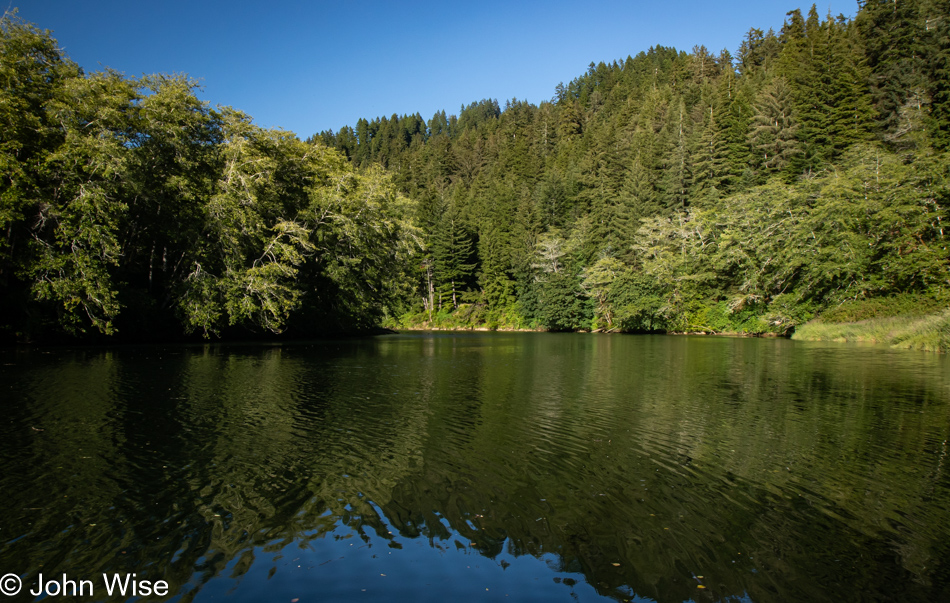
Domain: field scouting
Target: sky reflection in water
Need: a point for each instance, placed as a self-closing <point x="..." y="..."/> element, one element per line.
<point x="483" y="467"/>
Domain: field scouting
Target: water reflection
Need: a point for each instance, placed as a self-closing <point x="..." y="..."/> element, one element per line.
<point x="474" y="466"/>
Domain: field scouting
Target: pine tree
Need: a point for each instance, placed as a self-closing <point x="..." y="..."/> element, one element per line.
<point x="891" y="34"/>
<point x="674" y="184"/>
<point x="494" y="277"/>
<point x="774" y="127"/>
<point x="452" y="255"/>
<point x="709" y="158"/>
<point x="937" y="53"/>
<point x="640" y="201"/>
<point x="736" y="100"/>
<point x="852" y="115"/>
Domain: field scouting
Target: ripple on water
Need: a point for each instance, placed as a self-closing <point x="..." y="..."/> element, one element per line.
<point x="627" y="465"/>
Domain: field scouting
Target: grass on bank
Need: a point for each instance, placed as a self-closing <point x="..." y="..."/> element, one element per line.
<point x="907" y="322"/>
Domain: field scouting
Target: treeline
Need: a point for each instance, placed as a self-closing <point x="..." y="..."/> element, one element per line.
<point x="690" y="191"/>
<point x="129" y="206"/>
<point x="668" y="191"/>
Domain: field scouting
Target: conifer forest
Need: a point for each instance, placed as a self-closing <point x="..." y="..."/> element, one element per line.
<point x="804" y="174"/>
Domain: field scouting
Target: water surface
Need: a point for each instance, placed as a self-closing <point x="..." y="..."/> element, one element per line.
<point x="482" y="467"/>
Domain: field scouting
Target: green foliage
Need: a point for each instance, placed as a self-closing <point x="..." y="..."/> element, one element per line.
<point x="639" y="303"/>
<point x="929" y="333"/>
<point x="132" y="195"/>
<point x="667" y="191"/>
<point x="903" y="304"/>
<point x="451" y="254"/>
<point x="674" y="191"/>
<point x="722" y="317"/>
<point x="773" y="136"/>
<point x="556" y="296"/>
<point x="598" y="284"/>
<point x="76" y="239"/>
<point x="907" y="46"/>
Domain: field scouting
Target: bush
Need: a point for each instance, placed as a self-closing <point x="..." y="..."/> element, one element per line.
<point x="906" y="304"/>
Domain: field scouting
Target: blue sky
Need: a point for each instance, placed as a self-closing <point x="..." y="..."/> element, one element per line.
<point x="313" y="66"/>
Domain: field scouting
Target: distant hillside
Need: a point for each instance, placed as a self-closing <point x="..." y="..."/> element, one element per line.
<point x="691" y="191"/>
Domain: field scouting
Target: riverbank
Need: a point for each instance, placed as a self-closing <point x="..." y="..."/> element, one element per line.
<point x="930" y="332"/>
<point x="906" y="322"/>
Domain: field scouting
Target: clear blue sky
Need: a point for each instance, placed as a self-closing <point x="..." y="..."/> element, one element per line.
<point x="312" y="66"/>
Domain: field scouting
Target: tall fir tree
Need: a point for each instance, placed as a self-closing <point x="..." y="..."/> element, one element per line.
<point x="773" y="134"/>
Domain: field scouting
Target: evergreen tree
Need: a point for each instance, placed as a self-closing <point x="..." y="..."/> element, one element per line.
<point x="852" y="115"/>
<point x="708" y="157"/>
<point x="736" y="118"/>
<point x="640" y="198"/>
<point x="937" y="54"/>
<point x="674" y="184"/>
<point x="451" y="257"/>
<point x="774" y="127"/>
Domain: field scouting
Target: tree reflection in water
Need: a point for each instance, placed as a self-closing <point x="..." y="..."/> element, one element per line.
<point x="478" y="465"/>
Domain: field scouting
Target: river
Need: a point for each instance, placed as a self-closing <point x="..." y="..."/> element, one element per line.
<point x="479" y="467"/>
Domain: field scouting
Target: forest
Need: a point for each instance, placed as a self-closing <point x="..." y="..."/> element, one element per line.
<point x="133" y="211"/>
<point x="804" y="176"/>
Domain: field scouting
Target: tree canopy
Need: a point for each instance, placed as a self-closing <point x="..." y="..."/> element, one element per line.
<point x="670" y="190"/>
<point x="696" y="190"/>
<point x="129" y="206"/>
